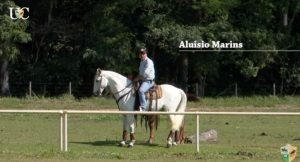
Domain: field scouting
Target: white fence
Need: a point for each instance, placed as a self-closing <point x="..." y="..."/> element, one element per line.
<point x="64" y="118"/>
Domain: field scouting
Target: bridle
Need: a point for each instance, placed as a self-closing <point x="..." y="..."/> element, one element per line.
<point x="116" y="93"/>
<point x="100" y="83"/>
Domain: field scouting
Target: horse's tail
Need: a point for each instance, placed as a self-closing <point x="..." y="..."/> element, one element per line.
<point x="178" y="119"/>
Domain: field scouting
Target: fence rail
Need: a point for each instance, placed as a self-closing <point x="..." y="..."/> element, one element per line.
<point x="64" y="118"/>
<point x="83" y="90"/>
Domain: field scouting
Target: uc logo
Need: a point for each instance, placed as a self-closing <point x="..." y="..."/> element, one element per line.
<point x="19" y="13"/>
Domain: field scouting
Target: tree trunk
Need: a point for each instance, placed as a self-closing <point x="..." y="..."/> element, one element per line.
<point x="183" y="72"/>
<point x="201" y="87"/>
<point x="4" y="77"/>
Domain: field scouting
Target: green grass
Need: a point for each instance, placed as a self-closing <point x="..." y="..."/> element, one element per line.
<point x="254" y="103"/>
<point x="35" y="137"/>
<point x="61" y="102"/>
<point x="266" y="103"/>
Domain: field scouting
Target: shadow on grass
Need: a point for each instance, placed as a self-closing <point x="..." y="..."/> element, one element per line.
<point x="98" y="143"/>
<point x="114" y="143"/>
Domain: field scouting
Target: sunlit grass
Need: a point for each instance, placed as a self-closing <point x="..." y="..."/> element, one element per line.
<point x="35" y="137"/>
<point x="253" y="101"/>
<point x="269" y="103"/>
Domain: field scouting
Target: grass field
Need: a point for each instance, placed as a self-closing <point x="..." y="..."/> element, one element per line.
<point x="35" y="137"/>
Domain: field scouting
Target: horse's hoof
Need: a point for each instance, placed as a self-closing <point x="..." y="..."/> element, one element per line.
<point x="169" y="142"/>
<point x="131" y="143"/>
<point x="174" y="144"/>
<point x="150" y="141"/>
<point x="122" y="143"/>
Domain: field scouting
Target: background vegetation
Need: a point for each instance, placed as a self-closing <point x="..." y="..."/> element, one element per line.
<point x="67" y="40"/>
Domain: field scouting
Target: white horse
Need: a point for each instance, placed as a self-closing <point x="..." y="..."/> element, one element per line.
<point x="173" y="100"/>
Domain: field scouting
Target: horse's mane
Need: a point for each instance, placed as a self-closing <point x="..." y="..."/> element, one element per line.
<point x="120" y="77"/>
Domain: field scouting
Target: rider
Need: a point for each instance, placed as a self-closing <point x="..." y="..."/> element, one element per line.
<point x="146" y="77"/>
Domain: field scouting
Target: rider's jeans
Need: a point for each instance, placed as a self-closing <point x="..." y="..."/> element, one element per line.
<point x="145" y="86"/>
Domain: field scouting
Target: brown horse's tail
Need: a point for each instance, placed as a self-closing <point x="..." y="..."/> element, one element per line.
<point x="181" y="134"/>
<point x="150" y="120"/>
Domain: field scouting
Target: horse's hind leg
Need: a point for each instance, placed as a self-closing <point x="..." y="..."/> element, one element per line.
<point x="170" y="139"/>
<point x="179" y="135"/>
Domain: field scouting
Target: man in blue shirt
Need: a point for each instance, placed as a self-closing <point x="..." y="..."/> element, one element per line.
<point x="146" y="77"/>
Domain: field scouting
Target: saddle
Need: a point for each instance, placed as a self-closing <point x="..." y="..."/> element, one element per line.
<point x="154" y="93"/>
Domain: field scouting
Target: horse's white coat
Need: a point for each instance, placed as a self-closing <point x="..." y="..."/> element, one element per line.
<point x="173" y="100"/>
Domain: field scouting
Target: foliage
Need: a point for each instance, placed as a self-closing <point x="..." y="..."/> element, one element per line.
<point x="70" y="39"/>
<point x="11" y="33"/>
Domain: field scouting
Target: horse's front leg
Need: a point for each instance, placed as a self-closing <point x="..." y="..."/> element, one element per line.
<point x="125" y="132"/>
<point x="132" y="140"/>
<point x="130" y="124"/>
<point x="124" y="138"/>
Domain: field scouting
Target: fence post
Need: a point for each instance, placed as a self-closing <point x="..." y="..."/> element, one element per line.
<point x="197" y="134"/>
<point x="236" y="89"/>
<point x="70" y="88"/>
<point x="63" y="131"/>
<point x="274" y="89"/>
<point x="66" y="131"/>
<point x="30" y="88"/>
<point x="197" y="94"/>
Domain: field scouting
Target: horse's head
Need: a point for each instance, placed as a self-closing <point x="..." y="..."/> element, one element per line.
<point x="100" y="83"/>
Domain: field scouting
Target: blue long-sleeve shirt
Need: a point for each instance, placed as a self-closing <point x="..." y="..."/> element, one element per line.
<point x="146" y="69"/>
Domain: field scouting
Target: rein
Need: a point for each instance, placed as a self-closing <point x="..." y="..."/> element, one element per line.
<point x="126" y="94"/>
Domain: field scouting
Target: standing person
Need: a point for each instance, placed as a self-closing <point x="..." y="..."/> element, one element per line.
<point x="146" y="77"/>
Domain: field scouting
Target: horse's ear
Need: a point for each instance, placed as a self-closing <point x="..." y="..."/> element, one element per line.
<point x="98" y="71"/>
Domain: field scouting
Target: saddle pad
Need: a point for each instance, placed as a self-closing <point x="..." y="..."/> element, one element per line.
<point x="154" y="93"/>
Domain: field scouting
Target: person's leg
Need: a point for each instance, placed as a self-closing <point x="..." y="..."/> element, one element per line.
<point x="145" y="86"/>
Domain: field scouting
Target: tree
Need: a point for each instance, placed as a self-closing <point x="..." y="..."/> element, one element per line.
<point x="12" y="33"/>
